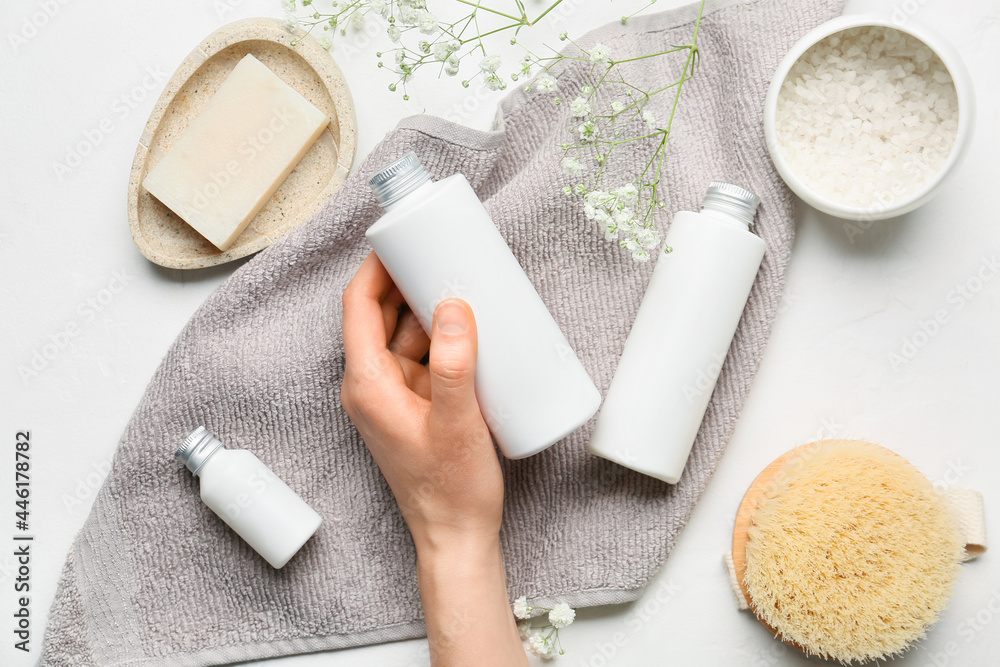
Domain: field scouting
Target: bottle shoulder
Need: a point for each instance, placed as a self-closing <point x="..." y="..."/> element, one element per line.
<point x="429" y="195"/>
<point x="712" y="224"/>
<point x="225" y="461"/>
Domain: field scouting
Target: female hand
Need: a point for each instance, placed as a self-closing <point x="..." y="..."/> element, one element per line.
<point x="423" y="427"/>
<point x="422" y="424"/>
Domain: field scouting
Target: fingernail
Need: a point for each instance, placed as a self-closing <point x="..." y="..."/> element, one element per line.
<point x="451" y="318"/>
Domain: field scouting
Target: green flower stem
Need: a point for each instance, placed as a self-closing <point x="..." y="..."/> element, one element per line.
<point x="663" y="143"/>
<point x="522" y="20"/>
<point x="651" y="55"/>
<point x="492" y="32"/>
<point x="688" y="64"/>
<point x="641" y="9"/>
<point x="542" y="15"/>
<point x="468" y="22"/>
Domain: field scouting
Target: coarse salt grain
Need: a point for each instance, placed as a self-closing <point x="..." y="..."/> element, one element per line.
<point x="867" y="116"/>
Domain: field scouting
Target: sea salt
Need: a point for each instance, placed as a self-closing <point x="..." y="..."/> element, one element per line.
<point x="867" y="116"/>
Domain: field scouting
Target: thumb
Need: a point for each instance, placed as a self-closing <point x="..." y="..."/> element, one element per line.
<point x="452" y="362"/>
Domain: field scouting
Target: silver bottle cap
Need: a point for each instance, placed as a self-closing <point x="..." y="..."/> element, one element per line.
<point x="197" y="448"/>
<point x="398" y="179"/>
<point x="731" y="199"/>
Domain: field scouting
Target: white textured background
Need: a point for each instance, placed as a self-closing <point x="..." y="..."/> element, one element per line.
<point x="90" y="72"/>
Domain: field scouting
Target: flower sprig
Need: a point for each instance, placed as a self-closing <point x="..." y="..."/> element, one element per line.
<point x="542" y="639"/>
<point x="420" y="38"/>
<point x="603" y="124"/>
<point x="608" y="113"/>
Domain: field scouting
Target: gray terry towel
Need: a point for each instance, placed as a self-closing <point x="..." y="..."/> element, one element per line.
<point x="154" y="578"/>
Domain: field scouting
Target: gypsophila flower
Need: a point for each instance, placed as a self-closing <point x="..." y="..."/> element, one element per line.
<point x="580" y="107"/>
<point x="326" y="43"/>
<point x="440" y="51"/>
<point x="536" y="643"/>
<point x="563" y="36"/>
<point x="408" y="14"/>
<point x="605" y="222"/>
<point x="615" y="216"/>
<point x="380" y="7"/>
<point x="597" y="213"/>
<point x="521" y="607"/>
<point x="524" y="629"/>
<point x="451" y="66"/>
<point x="650" y="120"/>
<point x="541" y="646"/>
<point x="490" y="64"/>
<point x="427" y="22"/>
<point x="588" y="131"/>
<point x="609" y="228"/>
<point x="561" y="615"/>
<point x="358" y="20"/>
<point x="639" y="253"/>
<point x="600" y="199"/>
<point x="600" y="54"/>
<point x="628" y="194"/>
<point x="617" y="106"/>
<point x="494" y="82"/>
<point x="394" y="34"/>
<point x="648" y="237"/>
<point x="625" y="219"/>
<point x="545" y="83"/>
<point x="572" y="166"/>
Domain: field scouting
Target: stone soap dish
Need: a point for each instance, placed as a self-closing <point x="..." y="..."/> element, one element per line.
<point x="162" y="236"/>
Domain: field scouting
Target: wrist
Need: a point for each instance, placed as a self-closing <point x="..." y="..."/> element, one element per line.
<point x="457" y="549"/>
<point x="467" y="610"/>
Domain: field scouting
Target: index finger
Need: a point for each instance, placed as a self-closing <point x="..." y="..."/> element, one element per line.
<point x="364" y="325"/>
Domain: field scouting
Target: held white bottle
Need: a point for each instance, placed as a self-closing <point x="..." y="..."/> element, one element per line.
<point x="250" y="498"/>
<point x="681" y="335"/>
<point x="437" y="241"/>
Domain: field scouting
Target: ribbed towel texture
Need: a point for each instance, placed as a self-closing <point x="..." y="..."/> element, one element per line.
<point x="155" y="578"/>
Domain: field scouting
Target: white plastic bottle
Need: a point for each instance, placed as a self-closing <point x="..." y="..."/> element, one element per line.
<point x="437" y="241"/>
<point x="681" y="335"/>
<point x="250" y="498"/>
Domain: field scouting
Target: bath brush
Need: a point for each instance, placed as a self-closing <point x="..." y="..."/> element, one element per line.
<point x="845" y="550"/>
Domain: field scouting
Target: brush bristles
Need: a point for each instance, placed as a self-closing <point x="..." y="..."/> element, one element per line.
<point x="852" y="554"/>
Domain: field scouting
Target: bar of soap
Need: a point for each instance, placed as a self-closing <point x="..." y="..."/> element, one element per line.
<point x="236" y="152"/>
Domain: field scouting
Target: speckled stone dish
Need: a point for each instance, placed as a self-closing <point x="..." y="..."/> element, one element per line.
<point x="162" y="236"/>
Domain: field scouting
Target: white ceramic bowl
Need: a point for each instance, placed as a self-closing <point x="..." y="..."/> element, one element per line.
<point x="966" y="113"/>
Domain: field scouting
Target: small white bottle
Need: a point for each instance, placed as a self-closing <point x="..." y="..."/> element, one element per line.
<point x="250" y="498"/>
<point x="437" y="241"/>
<point x="681" y="335"/>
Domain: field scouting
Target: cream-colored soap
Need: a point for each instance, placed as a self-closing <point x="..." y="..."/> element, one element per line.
<point x="236" y="152"/>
